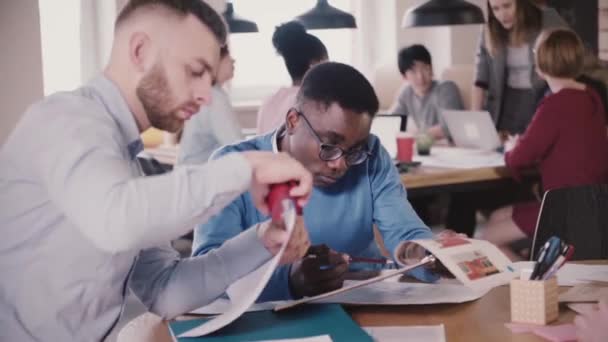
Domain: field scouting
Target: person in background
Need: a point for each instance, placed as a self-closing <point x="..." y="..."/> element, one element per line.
<point x="356" y="185"/>
<point x="423" y="98"/>
<point x="566" y="138"/>
<point x="591" y="326"/>
<point x="216" y="125"/>
<point x="81" y="225"/>
<point x="505" y="82"/>
<point x="300" y="51"/>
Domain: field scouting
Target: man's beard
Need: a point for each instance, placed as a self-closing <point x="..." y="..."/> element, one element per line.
<point x="155" y="96"/>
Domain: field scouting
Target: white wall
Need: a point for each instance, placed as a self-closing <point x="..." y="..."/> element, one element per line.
<point x="20" y="61"/>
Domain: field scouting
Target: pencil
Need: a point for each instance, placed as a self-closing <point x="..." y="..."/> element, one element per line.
<point x="369" y="260"/>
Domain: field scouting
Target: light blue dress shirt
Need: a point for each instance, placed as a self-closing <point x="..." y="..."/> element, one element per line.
<point x="79" y="223"/>
<point x="340" y="216"/>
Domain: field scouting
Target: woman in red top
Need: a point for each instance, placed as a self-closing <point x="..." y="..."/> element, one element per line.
<point x="566" y="139"/>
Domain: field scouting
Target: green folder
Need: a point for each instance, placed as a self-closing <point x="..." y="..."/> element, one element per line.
<point x="299" y="322"/>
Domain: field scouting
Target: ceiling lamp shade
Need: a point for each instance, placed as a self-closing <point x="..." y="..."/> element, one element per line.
<point x="442" y="12"/>
<point x="237" y="24"/>
<point x="325" y="16"/>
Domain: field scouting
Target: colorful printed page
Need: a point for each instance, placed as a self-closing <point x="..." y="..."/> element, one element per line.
<point x="477" y="264"/>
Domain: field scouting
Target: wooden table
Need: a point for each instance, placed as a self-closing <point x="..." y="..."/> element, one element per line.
<point x="432" y="180"/>
<point x="480" y="320"/>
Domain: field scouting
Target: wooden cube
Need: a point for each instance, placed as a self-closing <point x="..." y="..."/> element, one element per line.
<point x="534" y="301"/>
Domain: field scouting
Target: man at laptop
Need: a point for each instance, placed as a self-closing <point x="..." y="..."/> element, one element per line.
<point x="356" y="186"/>
<point x="423" y="98"/>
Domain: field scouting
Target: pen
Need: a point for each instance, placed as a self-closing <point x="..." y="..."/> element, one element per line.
<point x="551" y="254"/>
<point x="369" y="260"/>
<point x="541" y="258"/>
<point x="567" y="253"/>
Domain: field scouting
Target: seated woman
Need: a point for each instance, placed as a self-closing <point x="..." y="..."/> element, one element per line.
<point x="300" y="50"/>
<point x="566" y="139"/>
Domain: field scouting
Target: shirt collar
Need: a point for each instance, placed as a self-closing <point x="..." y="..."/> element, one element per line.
<point x="116" y="105"/>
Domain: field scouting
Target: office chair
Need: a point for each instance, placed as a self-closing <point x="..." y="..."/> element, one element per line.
<point x="579" y="216"/>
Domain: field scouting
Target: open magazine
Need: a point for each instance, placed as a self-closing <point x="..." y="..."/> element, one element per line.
<point x="478" y="264"/>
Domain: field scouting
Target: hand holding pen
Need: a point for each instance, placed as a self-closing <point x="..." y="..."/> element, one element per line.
<point x="321" y="270"/>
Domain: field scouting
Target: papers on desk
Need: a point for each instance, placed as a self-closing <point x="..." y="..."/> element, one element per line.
<point x="245" y="291"/>
<point x="396" y="293"/>
<point x="387" y="292"/>
<point x="461" y="158"/>
<point x="430" y="333"/>
<point x="356" y="285"/>
<point x="478" y="264"/>
<point x="572" y="274"/>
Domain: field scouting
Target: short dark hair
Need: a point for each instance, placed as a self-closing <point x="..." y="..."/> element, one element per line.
<point x="332" y="82"/>
<point x="198" y="8"/>
<point x="298" y="48"/>
<point x="411" y="54"/>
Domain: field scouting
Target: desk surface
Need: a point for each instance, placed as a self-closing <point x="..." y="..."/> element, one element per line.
<point x="428" y="177"/>
<point x="480" y="320"/>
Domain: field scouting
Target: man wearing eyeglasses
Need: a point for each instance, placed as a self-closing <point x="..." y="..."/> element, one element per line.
<point x="356" y="185"/>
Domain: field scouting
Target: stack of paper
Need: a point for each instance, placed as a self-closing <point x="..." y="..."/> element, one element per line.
<point x="461" y="158"/>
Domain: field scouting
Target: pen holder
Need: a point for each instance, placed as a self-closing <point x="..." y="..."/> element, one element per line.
<point x="534" y="301"/>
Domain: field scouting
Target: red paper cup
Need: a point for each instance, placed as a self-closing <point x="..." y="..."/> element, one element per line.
<point x="405" y="147"/>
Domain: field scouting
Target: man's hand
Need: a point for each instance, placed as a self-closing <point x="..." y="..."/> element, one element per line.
<point x="411" y="253"/>
<point x="273" y="235"/>
<point x="274" y="168"/>
<point x="322" y="270"/>
<point x="592" y="326"/>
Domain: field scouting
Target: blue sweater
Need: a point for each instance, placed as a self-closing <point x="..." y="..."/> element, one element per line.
<point x="340" y="216"/>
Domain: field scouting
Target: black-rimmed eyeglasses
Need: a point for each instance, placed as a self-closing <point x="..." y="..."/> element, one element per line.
<point x="329" y="152"/>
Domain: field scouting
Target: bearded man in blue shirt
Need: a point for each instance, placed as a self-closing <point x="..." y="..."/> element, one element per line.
<point x="356" y="185"/>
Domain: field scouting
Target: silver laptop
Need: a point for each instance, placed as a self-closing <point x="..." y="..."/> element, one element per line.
<point x="472" y="129"/>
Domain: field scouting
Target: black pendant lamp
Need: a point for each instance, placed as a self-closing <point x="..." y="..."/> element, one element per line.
<point x="325" y="16"/>
<point x="236" y="24"/>
<point x="442" y="12"/>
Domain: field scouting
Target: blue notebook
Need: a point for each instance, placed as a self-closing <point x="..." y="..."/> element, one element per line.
<point x="304" y="321"/>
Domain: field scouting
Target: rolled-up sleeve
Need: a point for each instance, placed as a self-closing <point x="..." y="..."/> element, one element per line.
<point x="392" y="212"/>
